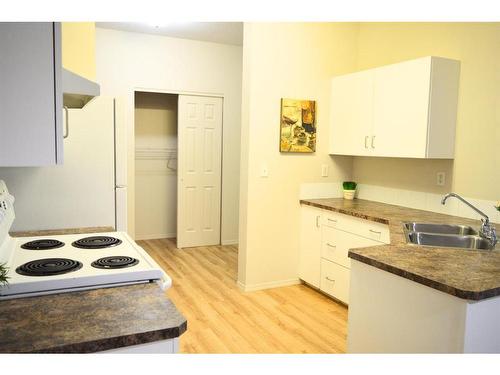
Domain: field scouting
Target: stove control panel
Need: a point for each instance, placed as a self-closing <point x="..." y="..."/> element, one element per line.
<point x="6" y="211"/>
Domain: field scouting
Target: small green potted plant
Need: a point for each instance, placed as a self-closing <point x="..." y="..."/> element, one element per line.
<point x="349" y="189"/>
<point x="3" y="275"/>
<point x="498" y="206"/>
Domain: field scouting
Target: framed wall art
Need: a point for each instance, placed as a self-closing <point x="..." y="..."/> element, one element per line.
<point x="298" y="126"/>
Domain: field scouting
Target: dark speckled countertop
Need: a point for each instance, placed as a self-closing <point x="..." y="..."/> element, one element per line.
<point x="88" y="321"/>
<point x="467" y="274"/>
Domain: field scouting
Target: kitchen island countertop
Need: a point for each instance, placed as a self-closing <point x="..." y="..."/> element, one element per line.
<point x="89" y="321"/>
<point x="467" y="274"/>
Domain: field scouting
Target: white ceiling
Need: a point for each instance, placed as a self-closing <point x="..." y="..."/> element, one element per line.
<point x="218" y="32"/>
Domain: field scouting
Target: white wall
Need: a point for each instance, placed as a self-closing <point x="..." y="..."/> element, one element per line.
<point x="80" y="193"/>
<point x="155" y="165"/>
<point x="292" y="61"/>
<point x="131" y="61"/>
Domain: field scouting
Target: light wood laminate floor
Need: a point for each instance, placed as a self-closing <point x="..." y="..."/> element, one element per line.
<point x="223" y="319"/>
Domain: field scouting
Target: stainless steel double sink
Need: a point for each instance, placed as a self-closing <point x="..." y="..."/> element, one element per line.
<point x="446" y="235"/>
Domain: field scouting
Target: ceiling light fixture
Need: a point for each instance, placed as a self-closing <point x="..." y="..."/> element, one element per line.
<point x="157" y="25"/>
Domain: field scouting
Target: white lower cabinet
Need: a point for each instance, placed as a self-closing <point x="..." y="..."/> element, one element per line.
<point x="168" y="346"/>
<point x="335" y="280"/>
<point x="326" y="238"/>
<point x="310" y="245"/>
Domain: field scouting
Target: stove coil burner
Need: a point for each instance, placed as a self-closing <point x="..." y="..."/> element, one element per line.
<point x="43" y="244"/>
<point x="48" y="267"/>
<point x="115" y="262"/>
<point x="96" y="242"/>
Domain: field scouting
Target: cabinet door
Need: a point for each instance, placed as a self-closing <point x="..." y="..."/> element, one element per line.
<point x="400" y="109"/>
<point x="310" y="245"/>
<point x="351" y="113"/>
<point x="30" y="96"/>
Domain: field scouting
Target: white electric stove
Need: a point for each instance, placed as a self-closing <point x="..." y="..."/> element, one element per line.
<point x="64" y="263"/>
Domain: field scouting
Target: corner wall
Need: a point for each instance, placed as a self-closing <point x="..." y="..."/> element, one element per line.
<point x="291" y="60"/>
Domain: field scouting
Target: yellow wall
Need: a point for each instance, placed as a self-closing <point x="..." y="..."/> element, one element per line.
<point x="78" y="48"/>
<point x="282" y="60"/>
<point x="475" y="171"/>
<point x="298" y="60"/>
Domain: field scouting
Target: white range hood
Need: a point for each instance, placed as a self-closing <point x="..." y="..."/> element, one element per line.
<point x="77" y="91"/>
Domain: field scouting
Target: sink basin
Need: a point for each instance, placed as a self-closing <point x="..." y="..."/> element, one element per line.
<point x="462" y="230"/>
<point x="443" y="240"/>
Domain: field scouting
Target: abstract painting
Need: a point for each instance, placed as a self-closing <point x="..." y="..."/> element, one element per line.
<point x="298" y="125"/>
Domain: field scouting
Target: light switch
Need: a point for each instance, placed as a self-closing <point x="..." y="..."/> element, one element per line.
<point x="324" y="170"/>
<point x="264" y="172"/>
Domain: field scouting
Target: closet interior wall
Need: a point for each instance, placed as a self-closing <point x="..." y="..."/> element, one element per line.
<point x="155" y="165"/>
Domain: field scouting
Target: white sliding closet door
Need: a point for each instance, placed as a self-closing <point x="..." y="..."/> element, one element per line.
<point x="199" y="171"/>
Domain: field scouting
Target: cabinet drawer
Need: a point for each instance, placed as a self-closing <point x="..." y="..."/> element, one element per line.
<point x="336" y="243"/>
<point x="335" y="280"/>
<point x="366" y="228"/>
<point x="334" y="247"/>
<point x="331" y="219"/>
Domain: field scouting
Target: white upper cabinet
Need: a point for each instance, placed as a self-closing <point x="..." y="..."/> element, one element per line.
<point x="405" y="110"/>
<point x="30" y="94"/>
<point x="400" y="109"/>
<point x="352" y="113"/>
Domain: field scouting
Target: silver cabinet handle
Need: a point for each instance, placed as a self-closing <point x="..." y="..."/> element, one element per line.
<point x="332" y="280"/>
<point x="375" y="231"/>
<point x="332" y="220"/>
<point x="366" y="141"/>
<point x="330" y="245"/>
<point x="317" y="221"/>
<point x="66" y="130"/>
<point x="373" y="141"/>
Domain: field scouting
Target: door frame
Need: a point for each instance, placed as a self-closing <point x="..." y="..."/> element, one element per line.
<point x="131" y="146"/>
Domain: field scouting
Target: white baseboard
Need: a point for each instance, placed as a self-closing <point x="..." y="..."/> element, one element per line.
<point x="139" y="237"/>
<point x="267" y="285"/>
<point x="229" y="242"/>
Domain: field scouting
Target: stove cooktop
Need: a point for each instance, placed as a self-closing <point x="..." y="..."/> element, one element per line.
<point x="57" y="264"/>
<point x="67" y="267"/>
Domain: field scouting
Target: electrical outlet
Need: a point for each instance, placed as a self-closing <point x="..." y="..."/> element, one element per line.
<point x="324" y="170"/>
<point x="441" y="177"/>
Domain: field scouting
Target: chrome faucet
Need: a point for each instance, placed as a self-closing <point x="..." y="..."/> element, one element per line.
<point x="487" y="229"/>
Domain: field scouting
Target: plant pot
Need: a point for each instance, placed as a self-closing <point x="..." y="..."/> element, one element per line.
<point x="349" y="194"/>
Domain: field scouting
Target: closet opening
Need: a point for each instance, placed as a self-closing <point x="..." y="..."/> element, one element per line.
<point x="178" y="168"/>
<point x="156" y="145"/>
